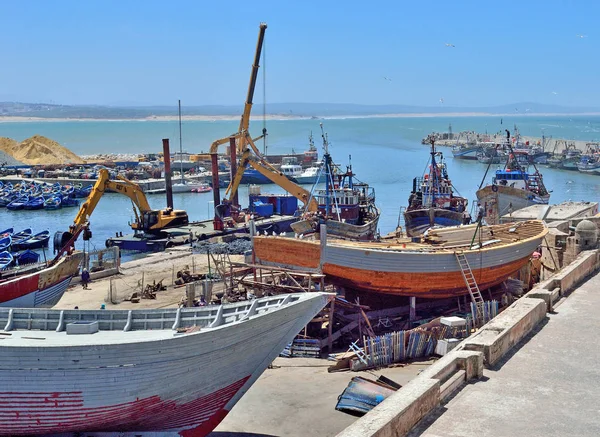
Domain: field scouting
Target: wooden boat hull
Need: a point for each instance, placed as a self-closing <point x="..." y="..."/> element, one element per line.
<point x="41" y="288"/>
<point x="419" y="220"/>
<point x="397" y="270"/>
<point x="137" y="375"/>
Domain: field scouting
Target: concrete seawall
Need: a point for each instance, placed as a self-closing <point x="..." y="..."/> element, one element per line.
<point x="400" y="412"/>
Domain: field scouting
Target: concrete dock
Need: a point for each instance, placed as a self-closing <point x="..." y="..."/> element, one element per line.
<point x="297" y="398"/>
<point x="547" y="386"/>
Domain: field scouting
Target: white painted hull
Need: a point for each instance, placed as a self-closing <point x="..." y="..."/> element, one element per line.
<point x="148" y="381"/>
<point x="186" y="187"/>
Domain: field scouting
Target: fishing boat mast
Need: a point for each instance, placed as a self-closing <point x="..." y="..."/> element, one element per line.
<point x="180" y="144"/>
<point x="328" y="172"/>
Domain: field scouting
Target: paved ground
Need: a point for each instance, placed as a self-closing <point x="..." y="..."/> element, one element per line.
<point x="549" y="387"/>
<point x="297" y="398"/>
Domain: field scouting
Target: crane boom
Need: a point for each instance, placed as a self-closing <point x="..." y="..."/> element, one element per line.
<point x="245" y="119"/>
<point x="276" y="177"/>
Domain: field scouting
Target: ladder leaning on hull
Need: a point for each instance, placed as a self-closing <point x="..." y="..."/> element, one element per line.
<point x="470" y="281"/>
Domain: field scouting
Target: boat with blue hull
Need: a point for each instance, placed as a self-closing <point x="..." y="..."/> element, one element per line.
<point x="512" y="188"/>
<point x="6" y="259"/>
<point x="37" y="241"/>
<point x="5" y="243"/>
<point x="432" y="201"/>
<point x="26" y="257"/>
<point x="54" y="202"/>
<point x="23" y="235"/>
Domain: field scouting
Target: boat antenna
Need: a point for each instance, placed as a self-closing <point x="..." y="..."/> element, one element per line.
<point x="180" y="143"/>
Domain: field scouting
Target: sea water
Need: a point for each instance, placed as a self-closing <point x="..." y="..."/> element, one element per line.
<point x="385" y="152"/>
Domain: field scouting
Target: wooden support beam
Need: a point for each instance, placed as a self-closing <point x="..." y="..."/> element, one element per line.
<point x="330" y="326"/>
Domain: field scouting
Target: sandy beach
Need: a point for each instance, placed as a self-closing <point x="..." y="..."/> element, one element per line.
<point x="213" y="118"/>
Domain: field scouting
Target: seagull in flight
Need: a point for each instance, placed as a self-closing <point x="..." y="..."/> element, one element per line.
<point x="582" y="36"/>
<point x="387" y="78"/>
<point x="554" y="92"/>
<point x="450" y="45"/>
<point x="442" y="100"/>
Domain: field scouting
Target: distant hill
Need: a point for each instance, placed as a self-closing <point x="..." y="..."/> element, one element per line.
<point x="290" y="109"/>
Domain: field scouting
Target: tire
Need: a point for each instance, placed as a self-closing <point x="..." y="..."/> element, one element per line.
<point x="495" y="188"/>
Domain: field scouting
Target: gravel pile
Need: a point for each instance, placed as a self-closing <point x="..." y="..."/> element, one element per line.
<point x="236" y="247"/>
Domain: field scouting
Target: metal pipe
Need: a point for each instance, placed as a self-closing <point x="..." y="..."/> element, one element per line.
<point x="233" y="168"/>
<point x="217" y="221"/>
<point x="167" y="160"/>
<point x="215" y="179"/>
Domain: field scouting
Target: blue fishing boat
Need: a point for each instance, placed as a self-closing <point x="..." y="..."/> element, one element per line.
<point x="5" y="243"/>
<point x="54" y="202"/>
<point x="6" y="259"/>
<point x="35" y="203"/>
<point x="38" y="240"/>
<point x="18" y="203"/>
<point x="7" y="199"/>
<point x="67" y="201"/>
<point x="7" y="232"/>
<point x="433" y="201"/>
<point x="25" y="234"/>
<point x="26" y="257"/>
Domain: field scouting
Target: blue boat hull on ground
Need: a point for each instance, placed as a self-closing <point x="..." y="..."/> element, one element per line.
<point x="27" y="257"/>
<point x="419" y="220"/>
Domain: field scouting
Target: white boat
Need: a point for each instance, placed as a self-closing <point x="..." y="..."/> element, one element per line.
<point x="309" y="176"/>
<point x="291" y="171"/>
<point x="158" y="372"/>
<point x="187" y="186"/>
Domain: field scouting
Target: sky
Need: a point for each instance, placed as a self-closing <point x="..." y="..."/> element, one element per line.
<point x="431" y="53"/>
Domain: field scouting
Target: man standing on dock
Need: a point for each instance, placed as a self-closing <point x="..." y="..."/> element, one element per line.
<point x="85" y="278"/>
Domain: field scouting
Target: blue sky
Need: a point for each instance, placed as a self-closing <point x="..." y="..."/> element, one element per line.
<point x="155" y="52"/>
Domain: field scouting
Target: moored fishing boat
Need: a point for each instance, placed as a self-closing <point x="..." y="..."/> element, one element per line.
<point x="432" y="201"/>
<point x="428" y="268"/>
<point x="6" y="259"/>
<point x="512" y="188"/>
<point x="53" y="202"/>
<point x="346" y="205"/>
<point x="162" y="372"/>
<point x="5" y="243"/>
<point x="466" y="151"/>
<point x="35" y="242"/>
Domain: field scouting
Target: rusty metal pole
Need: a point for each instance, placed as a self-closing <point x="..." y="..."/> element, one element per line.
<point x="217" y="222"/>
<point x="233" y="167"/>
<point x="167" y="160"/>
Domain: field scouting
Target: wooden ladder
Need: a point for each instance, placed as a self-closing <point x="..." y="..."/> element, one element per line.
<point x="469" y="278"/>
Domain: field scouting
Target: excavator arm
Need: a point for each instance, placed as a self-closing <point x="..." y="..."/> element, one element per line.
<point x="122" y="186"/>
<point x="275" y="176"/>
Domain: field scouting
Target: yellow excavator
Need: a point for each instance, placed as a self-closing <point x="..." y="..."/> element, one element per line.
<point x="147" y="220"/>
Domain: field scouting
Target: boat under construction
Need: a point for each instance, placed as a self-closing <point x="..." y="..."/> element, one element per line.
<point x="437" y="265"/>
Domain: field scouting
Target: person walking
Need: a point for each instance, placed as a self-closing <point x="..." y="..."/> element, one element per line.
<point x="85" y="279"/>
